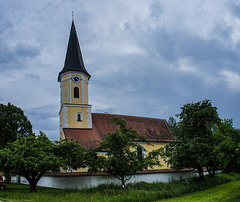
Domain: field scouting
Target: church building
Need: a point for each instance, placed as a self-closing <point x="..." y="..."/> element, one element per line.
<point x="77" y="121"/>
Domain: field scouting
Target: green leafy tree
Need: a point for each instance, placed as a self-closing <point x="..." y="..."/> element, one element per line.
<point x="172" y="123"/>
<point x="12" y="122"/>
<point x="73" y="155"/>
<point x="194" y="145"/>
<point x="124" y="155"/>
<point x="30" y="157"/>
<point x="228" y="149"/>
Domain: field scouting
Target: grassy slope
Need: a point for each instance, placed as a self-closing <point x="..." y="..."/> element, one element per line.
<point x="226" y="192"/>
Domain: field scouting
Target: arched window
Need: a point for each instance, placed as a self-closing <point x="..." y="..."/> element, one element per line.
<point x="79" y="116"/>
<point x="76" y="92"/>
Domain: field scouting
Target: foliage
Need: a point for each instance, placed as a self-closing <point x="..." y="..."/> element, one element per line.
<point x="124" y="154"/>
<point x="228" y="148"/>
<point x="141" y="191"/>
<point x="12" y="122"/>
<point x="73" y="155"/>
<point x="194" y="146"/>
<point x="172" y="123"/>
<point x="30" y="157"/>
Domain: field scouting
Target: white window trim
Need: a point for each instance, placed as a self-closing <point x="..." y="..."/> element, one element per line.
<point x="81" y="114"/>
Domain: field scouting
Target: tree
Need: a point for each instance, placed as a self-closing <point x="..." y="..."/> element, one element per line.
<point x="12" y="122"/>
<point x="30" y="157"/>
<point x="228" y="149"/>
<point x="73" y="155"/>
<point x="194" y="143"/>
<point x="172" y="123"/>
<point x="124" y="155"/>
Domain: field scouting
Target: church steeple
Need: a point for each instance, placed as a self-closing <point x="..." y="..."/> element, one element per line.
<point x="74" y="60"/>
<point x="75" y="111"/>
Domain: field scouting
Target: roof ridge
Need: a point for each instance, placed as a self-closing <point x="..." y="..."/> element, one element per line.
<point x="129" y="116"/>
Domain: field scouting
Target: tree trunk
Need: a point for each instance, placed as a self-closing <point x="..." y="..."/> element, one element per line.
<point x="7" y="177"/>
<point x="211" y="171"/>
<point x="18" y="179"/>
<point x="123" y="182"/>
<point x="33" y="180"/>
<point x="200" y="173"/>
<point x="33" y="186"/>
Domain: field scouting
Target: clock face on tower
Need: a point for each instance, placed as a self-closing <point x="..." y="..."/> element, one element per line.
<point x="76" y="79"/>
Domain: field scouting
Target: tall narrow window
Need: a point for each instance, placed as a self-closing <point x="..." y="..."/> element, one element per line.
<point x="76" y="92"/>
<point x="79" y="116"/>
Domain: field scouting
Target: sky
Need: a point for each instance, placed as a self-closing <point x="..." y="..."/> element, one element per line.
<point x="146" y="58"/>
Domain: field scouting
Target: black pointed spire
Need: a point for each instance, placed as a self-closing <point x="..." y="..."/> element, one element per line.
<point x="74" y="60"/>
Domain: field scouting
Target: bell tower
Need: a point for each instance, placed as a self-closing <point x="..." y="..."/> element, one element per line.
<point x="75" y="111"/>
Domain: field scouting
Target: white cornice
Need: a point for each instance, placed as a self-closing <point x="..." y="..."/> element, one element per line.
<point x="74" y="105"/>
<point x="73" y="72"/>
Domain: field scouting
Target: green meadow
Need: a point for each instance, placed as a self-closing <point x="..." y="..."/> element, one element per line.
<point x="224" y="187"/>
<point x="225" y="192"/>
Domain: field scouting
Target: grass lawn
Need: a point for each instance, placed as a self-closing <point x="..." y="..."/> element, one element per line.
<point x="225" y="192"/>
<point x="134" y="192"/>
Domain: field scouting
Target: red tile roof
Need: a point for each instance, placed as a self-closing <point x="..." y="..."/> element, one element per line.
<point x="156" y="130"/>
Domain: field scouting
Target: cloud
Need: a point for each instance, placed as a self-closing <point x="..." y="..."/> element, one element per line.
<point x="6" y="55"/>
<point x="234" y="7"/>
<point x="27" y="51"/>
<point x="232" y="78"/>
<point x="5" y="24"/>
<point x="44" y="118"/>
<point x="146" y="58"/>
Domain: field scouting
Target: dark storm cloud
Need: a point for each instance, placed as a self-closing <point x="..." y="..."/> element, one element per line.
<point x="234" y="6"/>
<point x="146" y="58"/>
<point x="6" y="55"/>
<point x="12" y="58"/>
<point x="202" y="49"/>
<point x="160" y="43"/>
<point x="44" y="118"/>
<point x="27" y="51"/>
<point x="156" y="10"/>
<point x="5" y="24"/>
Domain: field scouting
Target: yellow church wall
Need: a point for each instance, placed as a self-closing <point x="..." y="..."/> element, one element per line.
<point x="148" y="149"/>
<point x="83" y="95"/>
<point x="85" y="92"/>
<point x="152" y="147"/>
<point x="67" y="91"/>
<point x="65" y="88"/>
<point x="72" y="117"/>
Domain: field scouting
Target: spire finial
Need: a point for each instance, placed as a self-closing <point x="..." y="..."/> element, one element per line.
<point x="72" y="16"/>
